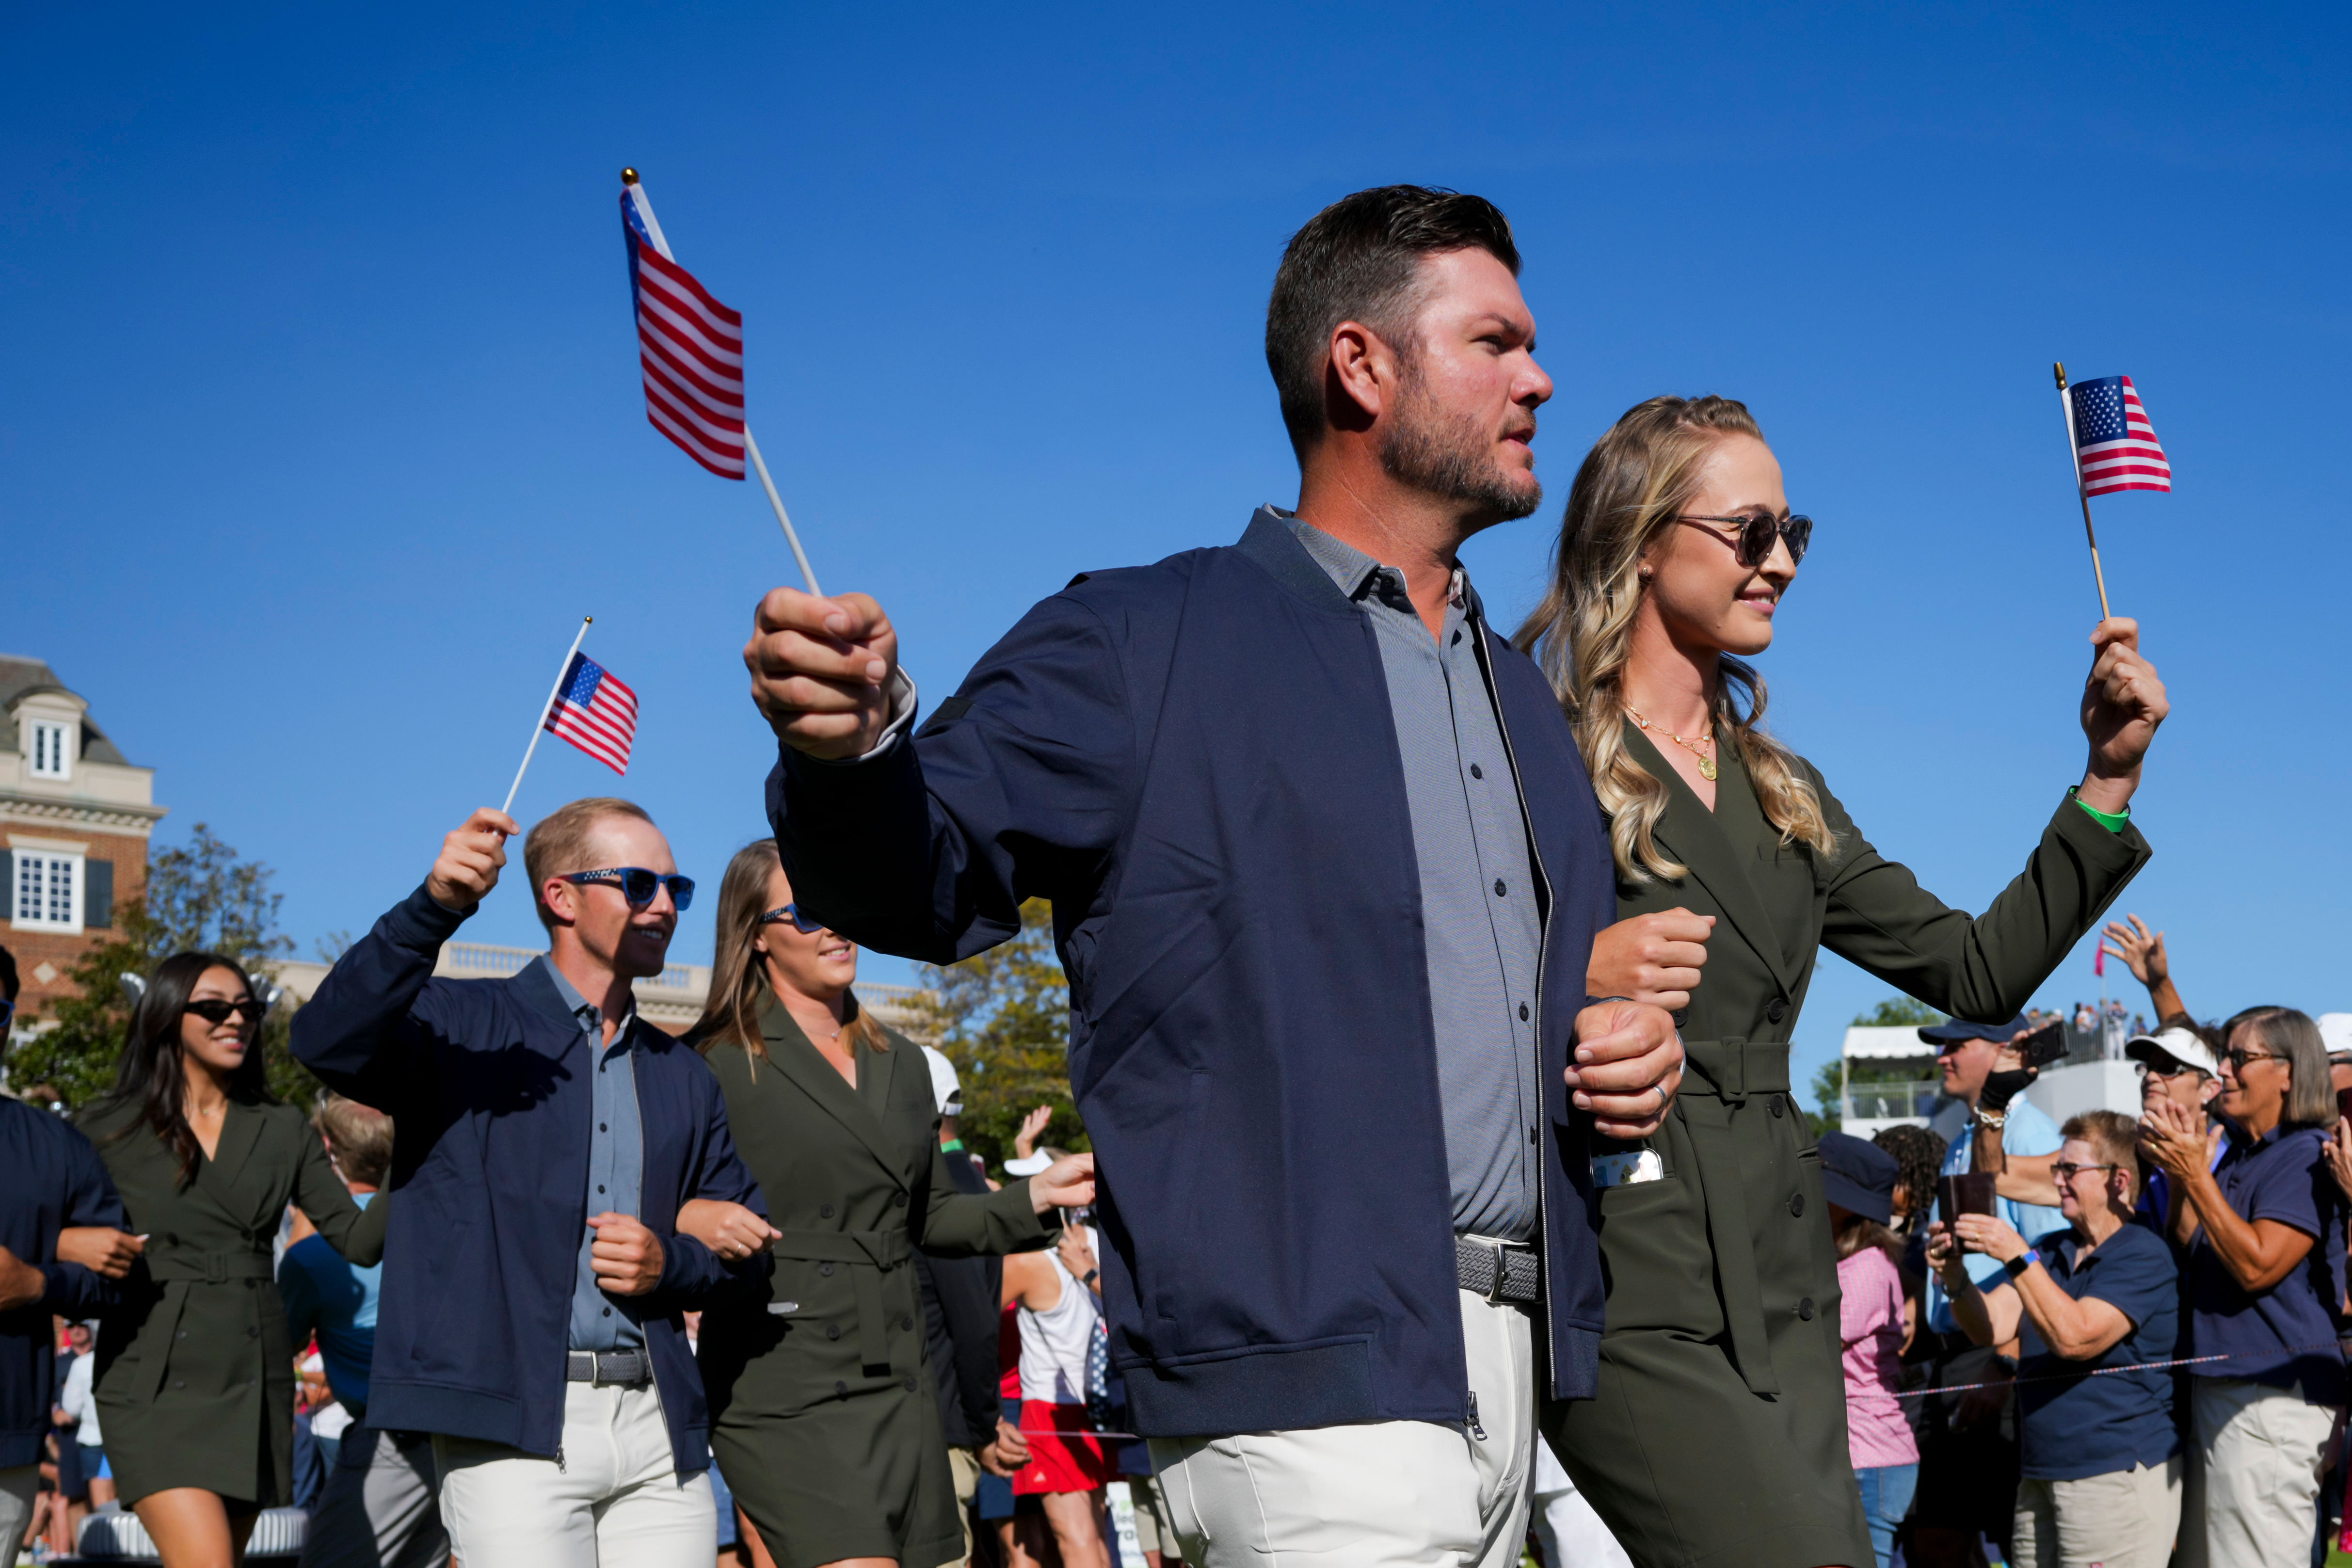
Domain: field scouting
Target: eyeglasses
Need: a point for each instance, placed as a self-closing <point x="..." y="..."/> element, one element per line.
<point x="212" y="1010"/>
<point x="2149" y="1069"/>
<point x="2238" y="1059"/>
<point x="639" y="885"/>
<point x="1754" y="545"/>
<point x="792" y="913"/>
<point x="2066" y="1170"/>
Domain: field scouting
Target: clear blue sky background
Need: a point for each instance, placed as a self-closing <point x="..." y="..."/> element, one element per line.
<point x="321" y="424"/>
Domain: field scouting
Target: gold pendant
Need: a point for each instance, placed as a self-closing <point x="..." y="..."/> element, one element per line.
<point x="1707" y="769"/>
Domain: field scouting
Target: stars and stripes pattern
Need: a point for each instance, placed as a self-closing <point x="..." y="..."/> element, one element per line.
<point x="595" y="713"/>
<point x="691" y="347"/>
<point x="2115" y="447"/>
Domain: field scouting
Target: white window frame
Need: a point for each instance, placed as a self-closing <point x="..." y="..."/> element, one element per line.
<point x="51" y="742"/>
<point x="50" y="862"/>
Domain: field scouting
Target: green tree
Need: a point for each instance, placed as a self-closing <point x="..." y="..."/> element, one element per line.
<point x="199" y="897"/>
<point x="1829" y="1081"/>
<point x="1004" y="1019"/>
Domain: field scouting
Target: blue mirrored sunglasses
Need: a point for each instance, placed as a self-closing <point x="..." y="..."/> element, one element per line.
<point x="639" y="885"/>
<point x="792" y="913"/>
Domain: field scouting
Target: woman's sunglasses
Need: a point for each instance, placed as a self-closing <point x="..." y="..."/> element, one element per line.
<point x="1754" y="545"/>
<point x="639" y="885"/>
<point x="792" y="913"/>
<point x="214" y="1011"/>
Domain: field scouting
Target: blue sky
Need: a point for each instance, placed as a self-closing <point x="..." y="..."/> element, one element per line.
<point x="321" y="426"/>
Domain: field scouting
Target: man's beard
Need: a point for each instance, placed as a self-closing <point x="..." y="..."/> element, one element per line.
<point x="1452" y="458"/>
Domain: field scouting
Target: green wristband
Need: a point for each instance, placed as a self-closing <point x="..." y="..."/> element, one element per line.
<point x="2113" y="821"/>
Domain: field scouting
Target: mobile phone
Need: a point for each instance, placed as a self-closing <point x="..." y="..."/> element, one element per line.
<point x="2043" y="1047"/>
<point x="2344" y="1102"/>
<point x="1969" y="1193"/>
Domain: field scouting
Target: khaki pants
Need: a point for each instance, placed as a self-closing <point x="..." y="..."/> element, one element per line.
<point x="2125" y="1519"/>
<point x="1381" y="1494"/>
<point x="2257" y="1457"/>
<point x="964" y="1465"/>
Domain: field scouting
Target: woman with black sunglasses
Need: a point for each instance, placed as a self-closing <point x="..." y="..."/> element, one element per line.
<point x="196" y="1372"/>
<point x="822" y="1412"/>
<point x="1719" y="1431"/>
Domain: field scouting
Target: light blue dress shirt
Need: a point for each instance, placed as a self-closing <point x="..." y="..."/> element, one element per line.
<point x="617" y="1163"/>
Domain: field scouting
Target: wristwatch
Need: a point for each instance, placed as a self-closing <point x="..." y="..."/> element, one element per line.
<point x="2021" y="1262"/>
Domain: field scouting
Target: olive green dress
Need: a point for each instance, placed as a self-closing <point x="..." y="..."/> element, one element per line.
<point x="195" y="1371"/>
<point x="823" y="1416"/>
<point x="1718" y="1437"/>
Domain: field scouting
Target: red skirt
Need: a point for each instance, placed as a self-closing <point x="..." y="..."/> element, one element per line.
<point x="1064" y="1453"/>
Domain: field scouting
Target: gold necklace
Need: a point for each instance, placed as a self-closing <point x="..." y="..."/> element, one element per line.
<point x="1707" y="769"/>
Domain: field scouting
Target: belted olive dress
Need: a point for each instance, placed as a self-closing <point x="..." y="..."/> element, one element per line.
<point x="196" y="1372"/>
<point x="1718" y="1437"/>
<point x="822" y="1414"/>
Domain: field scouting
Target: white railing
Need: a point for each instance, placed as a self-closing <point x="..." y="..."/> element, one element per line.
<point x="1891" y="1101"/>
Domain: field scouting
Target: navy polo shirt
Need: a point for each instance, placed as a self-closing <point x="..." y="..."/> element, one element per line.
<point x="2071" y="1424"/>
<point x="2288" y="1333"/>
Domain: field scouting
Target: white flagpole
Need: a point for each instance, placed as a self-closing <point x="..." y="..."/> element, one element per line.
<point x="644" y="207"/>
<point x="2075" y="454"/>
<point x="540" y="724"/>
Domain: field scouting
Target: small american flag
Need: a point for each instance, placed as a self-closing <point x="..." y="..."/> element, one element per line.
<point x="594" y="712"/>
<point x="691" y="347"/>
<point x="2115" y="446"/>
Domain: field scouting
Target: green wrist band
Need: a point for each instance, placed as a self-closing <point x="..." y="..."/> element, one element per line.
<point x="2113" y="821"/>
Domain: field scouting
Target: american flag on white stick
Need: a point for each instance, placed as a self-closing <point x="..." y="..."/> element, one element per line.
<point x="690" y="345"/>
<point x="594" y="712"/>
<point x="2115" y="446"/>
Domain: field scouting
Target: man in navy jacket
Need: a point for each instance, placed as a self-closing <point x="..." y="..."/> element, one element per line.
<point x="545" y="1139"/>
<point x="1325" y="865"/>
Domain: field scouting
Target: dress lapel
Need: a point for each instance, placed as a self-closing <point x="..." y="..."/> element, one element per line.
<point x="1698" y="837"/>
<point x="240" y="1133"/>
<point x="794" y="1055"/>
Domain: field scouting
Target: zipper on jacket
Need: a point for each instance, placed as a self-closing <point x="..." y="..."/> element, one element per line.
<point x="1476" y="1430"/>
<point x="559" y="1459"/>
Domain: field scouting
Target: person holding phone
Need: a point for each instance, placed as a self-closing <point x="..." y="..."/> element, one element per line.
<point x="1719" y="1371"/>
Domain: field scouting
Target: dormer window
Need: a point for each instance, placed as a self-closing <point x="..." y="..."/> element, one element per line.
<point x="52" y="750"/>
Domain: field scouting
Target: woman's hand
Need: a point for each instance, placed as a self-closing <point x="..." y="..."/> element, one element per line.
<point x="1067" y="1184"/>
<point x="1024" y="1142"/>
<point x="2174" y="1136"/>
<point x="2123" y="702"/>
<point x="1078" y="1257"/>
<point x="2339" y="1156"/>
<point x="1944" y="1254"/>
<point x="100" y="1248"/>
<point x="2141" y="950"/>
<point x="730" y="1230"/>
<point x="1991" y="1235"/>
<point x="1650" y="958"/>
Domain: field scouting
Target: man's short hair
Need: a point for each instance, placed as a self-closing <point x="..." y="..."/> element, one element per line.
<point x="559" y="843"/>
<point x="361" y="1137"/>
<point x="2112" y="1136"/>
<point x="1359" y="259"/>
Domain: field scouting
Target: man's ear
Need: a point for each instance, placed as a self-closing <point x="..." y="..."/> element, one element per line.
<point x="562" y="898"/>
<point x="1358" y="377"/>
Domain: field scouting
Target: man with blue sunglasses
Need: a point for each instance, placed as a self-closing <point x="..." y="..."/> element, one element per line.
<point x="546" y="1139"/>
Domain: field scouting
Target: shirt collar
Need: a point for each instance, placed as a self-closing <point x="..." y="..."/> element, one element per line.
<point x="1355" y="572"/>
<point x="591" y="1016"/>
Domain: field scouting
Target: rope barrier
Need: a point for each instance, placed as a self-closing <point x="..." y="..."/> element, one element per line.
<point x="2335" y="1346"/>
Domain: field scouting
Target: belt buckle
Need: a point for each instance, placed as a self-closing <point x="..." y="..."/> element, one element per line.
<point x="1494" y="1249"/>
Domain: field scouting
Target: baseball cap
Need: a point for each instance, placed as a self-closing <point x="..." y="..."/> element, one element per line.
<point x="946" y="1093"/>
<point x="1034" y="1165"/>
<point x="2182" y="1046"/>
<point x="1942" y="1035"/>
<point x="1858" y="1175"/>
<point x="2336" y="1034"/>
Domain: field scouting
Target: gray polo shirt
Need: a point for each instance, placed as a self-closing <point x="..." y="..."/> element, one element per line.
<point x="616" y="1166"/>
<point x="1482" y="931"/>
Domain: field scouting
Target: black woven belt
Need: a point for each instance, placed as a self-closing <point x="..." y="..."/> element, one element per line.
<point x="608" y="1366"/>
<point x="1498" y="1270"/>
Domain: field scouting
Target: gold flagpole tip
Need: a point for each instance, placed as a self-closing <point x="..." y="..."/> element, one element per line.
<point x="2058" y="369"/>
<point x="587" y="620"/>
<point x="628" y="176"/>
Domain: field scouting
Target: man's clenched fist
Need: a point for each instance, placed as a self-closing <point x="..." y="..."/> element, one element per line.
<point x="467" y="868"/>
<point x="1627" y="1066"/>
<point x="822" y="672"/>
<point x="625" y="1256"/>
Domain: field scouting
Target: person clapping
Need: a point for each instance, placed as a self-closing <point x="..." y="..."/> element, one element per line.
<point x="2102" y="1461"/>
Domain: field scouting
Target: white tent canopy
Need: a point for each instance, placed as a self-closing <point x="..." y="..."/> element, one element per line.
<point x="1872" y="1042"/>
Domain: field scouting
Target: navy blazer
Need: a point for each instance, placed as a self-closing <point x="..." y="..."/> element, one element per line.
<point x="1197" y="764"/>
<point x="50" y="1178"/>
<point x="487" y="1083"/>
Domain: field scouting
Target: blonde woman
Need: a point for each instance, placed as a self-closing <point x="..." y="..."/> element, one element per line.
<point x="1719" y="1433"/>
<point x="821" y="1414"/>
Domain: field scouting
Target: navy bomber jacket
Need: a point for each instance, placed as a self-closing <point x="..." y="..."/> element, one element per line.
<point x="486" y="1081"/>
<point x="51" y="1179"/>
<point x="1196" y="762"/>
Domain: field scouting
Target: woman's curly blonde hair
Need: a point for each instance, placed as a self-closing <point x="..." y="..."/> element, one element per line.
<point x="1634" y="482"/>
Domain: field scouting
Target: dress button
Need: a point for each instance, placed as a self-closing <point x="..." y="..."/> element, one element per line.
<point x="1476" y="772"/>
<point x="1805" y="1309"/>
<point x="1776" y="1009"/>
<point x="910" y="1385"/>
<point x="906" y="1322"/>
<point x="841" y="1388"/>
<point x="1797" y="1205"/>
<point x="825" y="1269"/>
<point x="1682" y="1017"/>
<point x="833" y="1331"/>
<point x="1498" y="887"/>
<point x="899" y="1200"/>
<point x="825" y="1212"/>
<point x="1778" y="1100"/>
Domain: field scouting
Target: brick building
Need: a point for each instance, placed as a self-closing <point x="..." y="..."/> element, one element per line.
<point x="76" y="816"/>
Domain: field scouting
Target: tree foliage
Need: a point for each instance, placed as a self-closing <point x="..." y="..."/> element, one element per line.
<point x="1004" y="1019"/>
<point x="199" y="897"/>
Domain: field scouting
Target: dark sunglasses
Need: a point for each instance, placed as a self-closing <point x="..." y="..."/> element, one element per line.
<point x="212" y="1010"/>
<point x="2239" y="1059"/>
<point x="639" y="885"/>
<point x="2066" y="1170"/>
<point x="792" y="913"/>
<point x="1754" y="545"/>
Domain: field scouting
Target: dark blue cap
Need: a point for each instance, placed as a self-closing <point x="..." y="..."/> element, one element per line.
<point x="1961" y="1029"/>
<point x="1858" y="1175"/>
